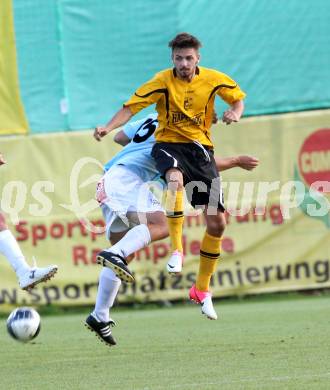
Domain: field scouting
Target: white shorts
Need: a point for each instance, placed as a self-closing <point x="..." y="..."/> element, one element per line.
<point x="121" y="191"/>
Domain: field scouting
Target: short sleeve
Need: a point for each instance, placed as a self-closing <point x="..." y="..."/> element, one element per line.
<point x="148" y="94"/>
<point x="229" y="90"/>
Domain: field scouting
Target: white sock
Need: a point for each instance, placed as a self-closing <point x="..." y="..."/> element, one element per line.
<point x="134" y="240"/>
<point x="10" y="249"/>
<point x="106" y="293"/>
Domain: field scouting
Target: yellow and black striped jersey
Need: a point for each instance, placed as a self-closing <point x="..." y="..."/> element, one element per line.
<point x="185" y="108"/>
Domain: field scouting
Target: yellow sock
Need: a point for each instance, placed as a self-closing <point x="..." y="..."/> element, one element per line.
<point x="209" y="256"/>
<point x="174" y="212"/>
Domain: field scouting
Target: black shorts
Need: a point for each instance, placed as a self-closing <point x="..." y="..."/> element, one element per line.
<point x="200" y="175"/>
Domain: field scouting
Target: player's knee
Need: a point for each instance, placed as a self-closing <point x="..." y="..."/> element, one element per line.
<point x="175" y="186"/>
<point x="216" y="226"/>
<point x="216" y="230"/>
<point x="174" y="179"/>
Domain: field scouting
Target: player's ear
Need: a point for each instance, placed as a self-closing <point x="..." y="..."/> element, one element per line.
<point x="198" y="58"/>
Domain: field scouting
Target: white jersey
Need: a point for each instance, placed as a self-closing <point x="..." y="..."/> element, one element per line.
<point x="136" y="156"/>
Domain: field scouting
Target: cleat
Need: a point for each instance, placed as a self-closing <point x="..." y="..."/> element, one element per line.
<point x="174" y="265"/>
<point x="118" y="265"/>
<point x="36" y="275"/>
<point x="204" y="298"/>
<point x="101" y="329"/>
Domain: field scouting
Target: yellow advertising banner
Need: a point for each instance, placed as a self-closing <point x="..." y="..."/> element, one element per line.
<point x="12" y="117"/>
<point x="278" y="226"/>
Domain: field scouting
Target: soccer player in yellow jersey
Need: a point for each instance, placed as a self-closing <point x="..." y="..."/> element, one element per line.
<point x="183" y="152"/>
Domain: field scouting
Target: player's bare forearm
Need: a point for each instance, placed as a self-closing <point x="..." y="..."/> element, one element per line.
<point x="245" y="162"/>
<point x="234" y="113"/>
<point x="238" y="108"/>
<point x="224" y="163"/>
<point x="118" y="120"/>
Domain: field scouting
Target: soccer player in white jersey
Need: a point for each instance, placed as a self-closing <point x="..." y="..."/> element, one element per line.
<point x="27" y="276"/>
<point x="134" y="217"/>
<point x="126" y="200"/>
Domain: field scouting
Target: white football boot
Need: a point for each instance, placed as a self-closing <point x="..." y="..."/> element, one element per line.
<point x="35" y="275"/>
<point x="174" y="265"/>
<point x="204" y="298"/>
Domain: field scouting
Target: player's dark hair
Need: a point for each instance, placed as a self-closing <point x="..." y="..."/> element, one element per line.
<point x="184" y="41"/>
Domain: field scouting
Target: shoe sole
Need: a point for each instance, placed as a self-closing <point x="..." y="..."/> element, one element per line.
<point x="210" y="318"/>
<point x="120" y="273"/>
<point x="47" y="277"/>
<point x="171" y="271"/>
<point x="204" y="314"/>
<point x="98" y="336"/>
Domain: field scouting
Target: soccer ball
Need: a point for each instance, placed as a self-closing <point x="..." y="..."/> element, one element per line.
<point x="23" y="324"/>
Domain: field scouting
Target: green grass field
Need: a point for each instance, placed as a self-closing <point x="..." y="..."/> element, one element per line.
<point x="260" y="343"/>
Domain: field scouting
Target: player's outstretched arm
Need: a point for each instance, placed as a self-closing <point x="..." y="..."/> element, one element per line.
<point x="244" y="162"/>
<point x="118" y="120"/>
<point x="234" y="113"/>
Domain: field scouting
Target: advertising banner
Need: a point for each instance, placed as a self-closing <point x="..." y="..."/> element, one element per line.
<point x="277" y="236"/>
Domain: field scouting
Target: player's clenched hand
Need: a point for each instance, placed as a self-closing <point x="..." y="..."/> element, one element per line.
<point x="247" y="162"/>
<point x="230" y="116"/>
<point x="100" y="132"/>
<point x="2" y="160"/>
